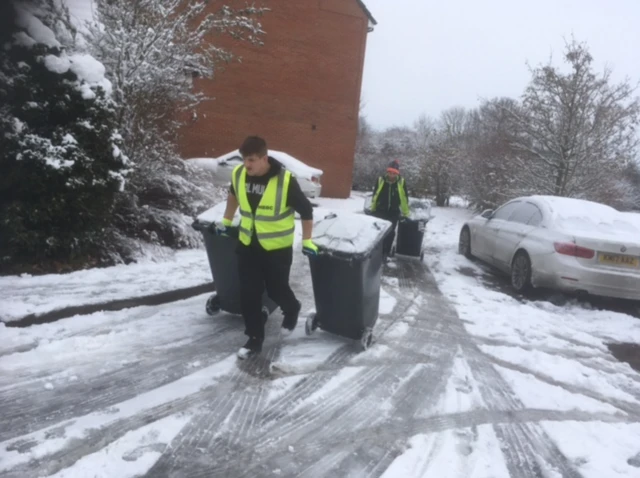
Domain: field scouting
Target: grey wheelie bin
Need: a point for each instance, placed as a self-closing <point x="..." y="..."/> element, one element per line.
<point x="410" y="237"/>
<point x="221" y="252"/>
<point x="346" y="275"/>
<point x="411" y="230"/>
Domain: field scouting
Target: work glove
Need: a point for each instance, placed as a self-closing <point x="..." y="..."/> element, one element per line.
<point x="223" y="226"/>
<point x="309" y="248"/>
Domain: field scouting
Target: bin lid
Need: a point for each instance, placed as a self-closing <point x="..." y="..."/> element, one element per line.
<point x="420" y="209"/>
<point x="346" y="232"/>
<point x="216" y="213"/>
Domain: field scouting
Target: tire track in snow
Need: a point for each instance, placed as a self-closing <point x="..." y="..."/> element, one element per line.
<point x="352" y="414"/>
<point x="389" y="437"/>
<point x="32" y="407"/>
<point x="519" y="450"/>
<point x="423" y="387"/>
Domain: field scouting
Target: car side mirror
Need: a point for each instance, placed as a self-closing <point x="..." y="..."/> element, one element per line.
<point x="487" y="213"/>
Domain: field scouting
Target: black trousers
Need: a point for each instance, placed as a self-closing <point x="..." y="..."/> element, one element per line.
<point x="260" y="269"/>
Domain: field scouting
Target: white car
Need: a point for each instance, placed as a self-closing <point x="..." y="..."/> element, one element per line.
<point x="560" y="243"/>
<point x="308" y="177"/>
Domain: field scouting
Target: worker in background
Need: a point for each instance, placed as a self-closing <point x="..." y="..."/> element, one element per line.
<point x="390" y="201"/>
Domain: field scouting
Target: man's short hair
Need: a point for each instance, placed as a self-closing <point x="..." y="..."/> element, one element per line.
<point x="253" y="145"/>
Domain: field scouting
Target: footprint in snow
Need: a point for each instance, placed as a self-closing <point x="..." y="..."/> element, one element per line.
<point x="136" y="453"/>
<point x="634" y="460"/>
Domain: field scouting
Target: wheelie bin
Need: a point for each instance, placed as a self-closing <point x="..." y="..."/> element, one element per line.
<point x="221" y="252"/>
<point x="346" y="275"/>
<point x="410" y="236"/>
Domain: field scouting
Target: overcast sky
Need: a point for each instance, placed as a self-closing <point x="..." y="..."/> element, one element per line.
<point x="425" y="56"/>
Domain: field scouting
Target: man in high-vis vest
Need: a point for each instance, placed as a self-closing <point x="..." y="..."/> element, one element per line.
<point x="268" y="197"/>
<point x="390" y="201"/>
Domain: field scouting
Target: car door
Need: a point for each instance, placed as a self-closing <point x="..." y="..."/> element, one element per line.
<point x="512" y="232"/>
<point x="485" y="234"/>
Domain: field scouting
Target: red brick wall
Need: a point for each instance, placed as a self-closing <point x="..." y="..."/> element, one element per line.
<point x="300" y="91"/>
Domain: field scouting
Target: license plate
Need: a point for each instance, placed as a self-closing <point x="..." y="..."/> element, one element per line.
<point x="618" y="260"/>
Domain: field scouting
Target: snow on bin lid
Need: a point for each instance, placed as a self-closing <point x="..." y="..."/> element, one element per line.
<point x="347" y="232"/>
<point x="420" y="209"/>
<point x="216" y="213"/>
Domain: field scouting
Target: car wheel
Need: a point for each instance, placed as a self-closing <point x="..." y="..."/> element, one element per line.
<point x="464" y="243"/>
<point x="521" y="272"/>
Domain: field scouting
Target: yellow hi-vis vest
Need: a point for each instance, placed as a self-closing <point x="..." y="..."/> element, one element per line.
<point x="274" y="220"/>
<point x="404" y="202"/>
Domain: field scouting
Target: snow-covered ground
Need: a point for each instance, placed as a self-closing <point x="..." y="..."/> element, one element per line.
<point x="26" y="294"/>
<point x="462" y="380"/>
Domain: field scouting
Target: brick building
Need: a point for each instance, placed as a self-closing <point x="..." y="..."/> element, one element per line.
<point x="300" y="91"/>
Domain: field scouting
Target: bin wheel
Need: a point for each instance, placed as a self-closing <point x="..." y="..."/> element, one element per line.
<point x="311" y="324"/>
<point x="367" y="338"/>
<point x="213" y="304"/>
<point x="265" y="313"/>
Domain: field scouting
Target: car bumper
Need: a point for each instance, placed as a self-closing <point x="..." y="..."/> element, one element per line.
<point x="567" y="274"/>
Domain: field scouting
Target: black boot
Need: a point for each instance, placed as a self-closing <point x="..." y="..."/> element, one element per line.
<point x="291" y="319"/>
<point x="251" y="348"/>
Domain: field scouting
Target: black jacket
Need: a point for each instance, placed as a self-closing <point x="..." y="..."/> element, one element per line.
<point x="388" y="204"/>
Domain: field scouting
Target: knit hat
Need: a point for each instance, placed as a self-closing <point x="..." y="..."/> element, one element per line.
<point x="394" y="167"/>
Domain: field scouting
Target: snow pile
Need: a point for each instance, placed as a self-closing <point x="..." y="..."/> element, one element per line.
<point x="297" y="167"/>
<point x="91" y="73"/>
<point x="345" y="232"/>
<point x="37" y="32"/>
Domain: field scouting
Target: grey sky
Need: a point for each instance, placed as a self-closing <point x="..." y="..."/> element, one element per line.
<point x="425" y="56"/>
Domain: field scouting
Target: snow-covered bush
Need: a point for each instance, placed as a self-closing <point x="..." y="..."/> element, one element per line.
<point x="61" y="164"/>
<point x="153" y="49"/>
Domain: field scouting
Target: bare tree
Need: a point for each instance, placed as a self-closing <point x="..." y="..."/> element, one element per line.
<point x="578" y="130"/>
<point x="440" y="172"/>
<point x="425" y="129"/>
<point x="453" y="121"/>
<point x="489" y="169"/>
